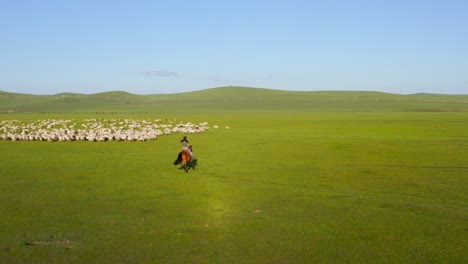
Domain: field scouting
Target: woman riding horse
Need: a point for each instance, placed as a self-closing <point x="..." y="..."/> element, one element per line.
<point x="186" y="145"/>
<point x="186" y="156"/>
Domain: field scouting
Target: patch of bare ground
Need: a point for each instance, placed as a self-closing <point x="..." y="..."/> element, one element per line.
<point x="67" y="244"/>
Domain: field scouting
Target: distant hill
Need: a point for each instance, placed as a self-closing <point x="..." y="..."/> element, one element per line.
<point x="231" y="98"/>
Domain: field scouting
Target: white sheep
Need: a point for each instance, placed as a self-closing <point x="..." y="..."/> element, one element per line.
<point x="95" y="130"/>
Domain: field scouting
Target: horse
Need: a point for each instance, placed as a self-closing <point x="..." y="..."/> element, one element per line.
<point x="186" y="159"/>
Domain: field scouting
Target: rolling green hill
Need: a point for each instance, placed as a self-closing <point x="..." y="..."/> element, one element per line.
<point x="228" y="98"/>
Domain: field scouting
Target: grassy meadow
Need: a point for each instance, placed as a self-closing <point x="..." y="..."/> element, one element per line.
<point x="299" y="177"/>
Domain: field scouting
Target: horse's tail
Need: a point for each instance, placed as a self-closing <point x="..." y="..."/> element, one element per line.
<point x="179" y="159"/>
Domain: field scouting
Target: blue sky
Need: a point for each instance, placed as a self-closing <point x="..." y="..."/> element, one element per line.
<point x="152" y="47"/>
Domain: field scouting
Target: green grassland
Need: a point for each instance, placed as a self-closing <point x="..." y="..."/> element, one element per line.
<point x="300" y="177"/>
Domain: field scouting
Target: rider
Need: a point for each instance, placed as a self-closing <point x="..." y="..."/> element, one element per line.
<point x="186" y="145"/>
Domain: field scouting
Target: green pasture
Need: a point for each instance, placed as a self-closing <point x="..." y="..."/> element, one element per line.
<point x="343" y="177"/>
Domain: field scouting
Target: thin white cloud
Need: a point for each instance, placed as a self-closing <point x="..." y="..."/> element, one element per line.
<point x="220" y="80"/>
<point x="161" y="73"/>
<point x="269" y="76"/>
<point x="174" y="74"/>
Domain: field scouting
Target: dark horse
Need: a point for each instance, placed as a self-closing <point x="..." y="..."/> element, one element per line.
<point x="186" y="160"/>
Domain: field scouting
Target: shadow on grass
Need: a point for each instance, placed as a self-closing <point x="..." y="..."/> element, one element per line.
<point x="191" y="165"/>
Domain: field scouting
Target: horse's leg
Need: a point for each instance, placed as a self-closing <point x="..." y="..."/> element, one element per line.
<point x="192" y="165"/>
<point x="184" y="162"/>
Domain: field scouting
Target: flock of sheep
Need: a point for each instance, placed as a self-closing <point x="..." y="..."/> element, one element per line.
<point x="96" y="130"/>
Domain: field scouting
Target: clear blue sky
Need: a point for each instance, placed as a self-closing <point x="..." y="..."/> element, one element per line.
<point x="151" y="47"/>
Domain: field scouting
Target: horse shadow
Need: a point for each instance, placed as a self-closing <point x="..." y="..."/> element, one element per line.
<point x="190" y="165"/>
